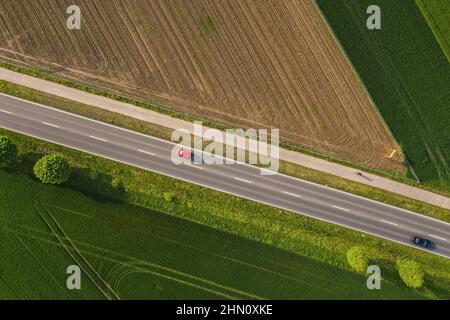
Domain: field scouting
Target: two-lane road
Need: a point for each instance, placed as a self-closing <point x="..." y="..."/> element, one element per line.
<point x="242" y="180"/>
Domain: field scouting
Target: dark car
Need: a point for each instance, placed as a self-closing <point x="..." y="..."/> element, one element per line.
<point x="422" y="242"/>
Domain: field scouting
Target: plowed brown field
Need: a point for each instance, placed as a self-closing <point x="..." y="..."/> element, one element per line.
<point x="244" y="63"/>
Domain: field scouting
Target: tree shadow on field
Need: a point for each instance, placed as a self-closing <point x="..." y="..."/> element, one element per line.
<point x="27" y="161"/>
<point x="440" y="288"/>
<point x="98" y="186"/>
<point x="389" y="273"/>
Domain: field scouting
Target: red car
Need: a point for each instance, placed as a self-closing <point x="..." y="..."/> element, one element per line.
<point x="183" y="153"/>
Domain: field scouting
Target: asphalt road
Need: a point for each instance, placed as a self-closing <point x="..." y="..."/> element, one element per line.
<point x="277" y="190"/>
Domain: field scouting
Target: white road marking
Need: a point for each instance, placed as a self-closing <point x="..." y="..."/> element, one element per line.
<point x="4" y="111"/>
<point x="196" y="167"/>
<point x="267" y="171"/>
<point x="388" y="222"/>
<point x="239" y="179"/>
<point x="292" y="194"/>
<point x="440" y="238"/>
<point x="50" y="125"/>
<point x="146" y="152"/>
<point x="97" y="138"/>
<point x="340" y="208"/>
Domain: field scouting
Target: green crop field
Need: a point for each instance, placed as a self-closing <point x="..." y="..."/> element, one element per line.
<point x="437" y="14"/>
<point x="130" y="252"/>
<point x="407" y="75"/>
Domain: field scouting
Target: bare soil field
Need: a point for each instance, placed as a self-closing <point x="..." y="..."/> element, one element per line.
<point x="241" y="63"/>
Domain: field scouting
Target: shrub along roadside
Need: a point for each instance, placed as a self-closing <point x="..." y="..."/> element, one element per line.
<point x="308" y="237"/>
<point x="8" y="152"/>
<point x="411" y="273"/>
<point x="357" y="259"/>
<point x="52" y="169"/>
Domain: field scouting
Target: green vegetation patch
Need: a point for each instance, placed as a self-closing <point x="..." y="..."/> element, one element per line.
<point x="206" y="26"/>
<point x="407" y="75"/>
<point x="411" y="273"/>
<point x="437" y="14"/>
<point x="357" y="259"/>
<point x="127" y="252"/>
<point x="8" y="152"/>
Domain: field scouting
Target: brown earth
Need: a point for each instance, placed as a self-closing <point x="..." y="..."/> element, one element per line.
<point x="243" y="63"/>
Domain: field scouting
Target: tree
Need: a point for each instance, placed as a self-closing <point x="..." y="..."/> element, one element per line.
<point x="411" y="273"/>
<point x="8" y="152"/>
<point x="357" y="258"/>
<point x="52" y="169"/>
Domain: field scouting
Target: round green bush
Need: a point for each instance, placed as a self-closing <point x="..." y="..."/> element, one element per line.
<point x="357" y="259"/>
<point x="8" y="152"/>
<point x="52" y="169"/>
<point x="411" y="273"/>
